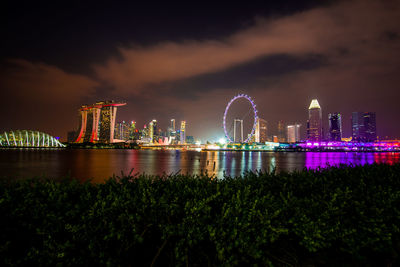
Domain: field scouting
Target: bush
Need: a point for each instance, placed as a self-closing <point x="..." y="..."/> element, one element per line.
<point x="336" y="216"/>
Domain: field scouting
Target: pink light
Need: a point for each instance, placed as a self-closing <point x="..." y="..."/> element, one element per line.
<point x="80" y="136"/>
<point x="114" y="105"/>
<point x="354" y="146"/>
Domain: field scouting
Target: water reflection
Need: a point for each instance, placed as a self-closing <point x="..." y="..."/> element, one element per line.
<point x="100" y="164"/>
<point x="325" y="159"/>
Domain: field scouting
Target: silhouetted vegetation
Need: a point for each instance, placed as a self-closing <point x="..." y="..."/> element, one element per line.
<point x="88" y="145"/>
<point x="337" y="216"/>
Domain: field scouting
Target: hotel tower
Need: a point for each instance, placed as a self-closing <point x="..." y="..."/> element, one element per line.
<point x="97" y="122"/>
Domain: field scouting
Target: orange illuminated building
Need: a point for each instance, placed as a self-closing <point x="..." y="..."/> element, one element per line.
<point x="97" y="122"/>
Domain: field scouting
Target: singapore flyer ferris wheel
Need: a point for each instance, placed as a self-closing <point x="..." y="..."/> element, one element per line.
<point x="249" y="117"/>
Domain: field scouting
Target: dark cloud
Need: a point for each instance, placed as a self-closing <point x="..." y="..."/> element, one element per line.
<point x="346" y="25"/>
<point x="41" y="97"/>
<point x="244" y="77"/>
<point x="356" y="69"/>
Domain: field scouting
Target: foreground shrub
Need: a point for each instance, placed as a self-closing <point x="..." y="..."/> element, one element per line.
<point x="336" y="216"/>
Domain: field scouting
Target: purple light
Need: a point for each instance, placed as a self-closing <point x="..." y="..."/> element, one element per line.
<point x="255" y="116"/>
<point x="381" y="146"/>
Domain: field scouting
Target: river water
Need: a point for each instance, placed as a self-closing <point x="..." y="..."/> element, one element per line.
<point x="98" y="164"/>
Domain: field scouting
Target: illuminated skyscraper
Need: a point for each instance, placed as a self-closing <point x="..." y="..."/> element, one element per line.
<point x="261" y="135"/>
<point x="153" y="130"/>
<point x="132" y="131"/>
<point x="357" y="126"/>
<point x="92" y="114"/>
<point x="122" y="131"/>
<point x="183" y="132"/>
<point x="293" y="133"/>
<point x="107" y="123"/>
<point x="335" y="127"/>
<point x="370" y="126"/>
<point x="173" y="125"/>
<point x="363" y="125"/>
<point x="97" y="122"/>
<point x="82" y="122"/>
<point x="90" y="129"/>
<point x="281" y="132"/>
<point x="171" y="132"/>
<point x="314" y="123"/>
<point x="145" y="134"/>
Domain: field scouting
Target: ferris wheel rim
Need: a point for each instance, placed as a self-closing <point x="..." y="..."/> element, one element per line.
<point x="253" y="105"/>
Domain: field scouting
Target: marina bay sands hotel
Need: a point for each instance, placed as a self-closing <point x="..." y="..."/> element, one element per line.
<point x="97" y="122"/>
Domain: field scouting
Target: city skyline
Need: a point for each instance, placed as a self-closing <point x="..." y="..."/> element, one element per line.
<point x="187" y="65"/>
<point x="92" y="122"/>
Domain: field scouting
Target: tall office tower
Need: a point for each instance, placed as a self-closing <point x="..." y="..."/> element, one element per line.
<point x="363" y="125"/>
<point x="183" y="132"/>
<point x="97" y="122"/>
<point x="177" y="137"/>
<point x="261" y="131"/>
<point x="281" y="132"/>
<point x="121" y="131"/>
<point x="173" y="125"/>
<point x="132" y="130"/>
<point x="293" y="133"/>
<point x="357" y="126"/>
<point x="153" y="130"/>
<point x="370" y="126"/>
<point x="145" y="132"/>
<point x="335" y="126"/>
<point x="314" y="123"/>
<point x="171" y="131"/>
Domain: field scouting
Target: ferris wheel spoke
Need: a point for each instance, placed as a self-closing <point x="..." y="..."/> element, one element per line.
<point x="247" y="114"/>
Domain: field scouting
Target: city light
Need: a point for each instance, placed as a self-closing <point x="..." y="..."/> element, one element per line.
<point x="152" y="135"/>
<point x="381" y="146"/>
<point x="248" y="98"/>
<point x="222" y="141"/>
<point x="28" y="138"/>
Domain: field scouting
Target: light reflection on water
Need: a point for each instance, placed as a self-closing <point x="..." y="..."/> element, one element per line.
<point x="324" y="159"/>
<point x="101" y="164"/>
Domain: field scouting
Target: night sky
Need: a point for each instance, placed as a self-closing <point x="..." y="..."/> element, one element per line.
<point x="187" y="61"/>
